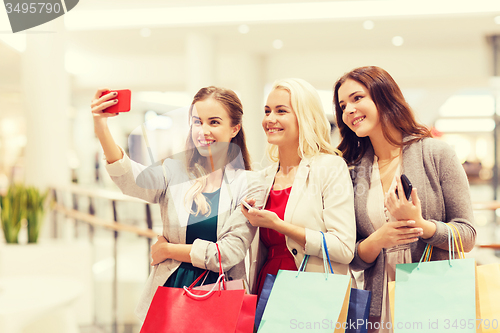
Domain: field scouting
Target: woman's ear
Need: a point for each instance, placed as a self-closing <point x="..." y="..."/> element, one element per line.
<point x="236" y="129"/>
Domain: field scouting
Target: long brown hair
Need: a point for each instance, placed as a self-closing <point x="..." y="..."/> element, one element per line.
<point x="196" y="163"/>
<point x="392" y="108"/>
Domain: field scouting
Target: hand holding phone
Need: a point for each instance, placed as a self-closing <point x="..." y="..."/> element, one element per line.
<point x="407" y="186"/>
<point x="246" y="204"/>
<point x="123" y="96"/>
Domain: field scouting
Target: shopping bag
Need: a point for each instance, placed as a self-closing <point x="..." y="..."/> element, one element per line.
<point x="359" y="311"/>
<point x="229" y="285"/>
<point x="187" y="310"/>
<point x="488" y="277"/>
<point x="391" y="287"/>
<point x="307" y="301"/>
<point x="264" y="296"/>
<point x="246" y="319"/>
<point x="437" y="296"/>
<point x="247" y="314"/>
<point x="175" y="310"/>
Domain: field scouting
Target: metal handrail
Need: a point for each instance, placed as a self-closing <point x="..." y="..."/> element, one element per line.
<point x="93" y="222"/>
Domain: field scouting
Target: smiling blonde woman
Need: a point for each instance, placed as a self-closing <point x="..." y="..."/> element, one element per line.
<point x="309" y="189"/>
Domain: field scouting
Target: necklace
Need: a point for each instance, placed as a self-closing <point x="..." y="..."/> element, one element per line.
<point x="387" y="161"/>
<point x="387" y="171"/>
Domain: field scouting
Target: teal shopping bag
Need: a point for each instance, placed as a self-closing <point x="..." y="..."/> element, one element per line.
<point x="307" y="301"/>
<point x="436" y="296"/>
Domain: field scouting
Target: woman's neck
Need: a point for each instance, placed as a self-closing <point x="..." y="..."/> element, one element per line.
<point x="384" y="149"/>
<point x="216" y="161"/>
<point x="214" y="180"/>
<point x="289" y="158"/>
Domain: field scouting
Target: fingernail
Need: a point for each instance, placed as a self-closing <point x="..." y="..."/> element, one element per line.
<point x="116" y="113"/>
<point x="116" y="101"/>
<point x="115" y="93"/>
<point x="411" y="222"/>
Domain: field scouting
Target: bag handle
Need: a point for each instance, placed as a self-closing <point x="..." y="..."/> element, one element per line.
<point x="461" y="252"/>
<point x="326" y="259"/>
<point x="453" y="243"/>
<point x="426" y="256"/>
<point x="219" y="281"/>
<point x="326" y="255"/>
<point x="451" y="239"/>
<point x="220" y="267"/>
<point x="206" y="295"/>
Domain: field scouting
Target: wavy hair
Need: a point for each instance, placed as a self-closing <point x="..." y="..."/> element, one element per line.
<point x="392" y="108"/>
<point x="197" y="164"/>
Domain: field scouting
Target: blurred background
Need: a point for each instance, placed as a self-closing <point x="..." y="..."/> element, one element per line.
<point x="75" y="252"/>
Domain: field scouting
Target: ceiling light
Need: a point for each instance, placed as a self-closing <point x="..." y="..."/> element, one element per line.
<point x="265" y="13"/>
<point x="368" y="25"/>
<point x="278" y="44"/>
<point x="468" y="106"/>
<point x="450" y="125"/>
<point x="397" y="40"/>
<point x="243" y="29"/>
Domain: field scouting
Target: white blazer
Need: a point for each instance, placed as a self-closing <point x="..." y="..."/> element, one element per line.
<point x="321" y="199"/>
<point x="234" y="233"/>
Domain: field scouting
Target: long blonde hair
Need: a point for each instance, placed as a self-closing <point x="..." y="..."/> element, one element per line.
<point x="237" y="153"/>
<point x="314" y="127"/>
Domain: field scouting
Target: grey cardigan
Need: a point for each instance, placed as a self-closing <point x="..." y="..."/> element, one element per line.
<point x="443" y="189"/>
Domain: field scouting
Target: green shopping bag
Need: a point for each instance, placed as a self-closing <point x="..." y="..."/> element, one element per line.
<point x="436" y="296"/>
<point x="307" y="301"/>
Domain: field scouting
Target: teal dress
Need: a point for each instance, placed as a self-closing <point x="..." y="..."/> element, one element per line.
<point x="202" y="227"/>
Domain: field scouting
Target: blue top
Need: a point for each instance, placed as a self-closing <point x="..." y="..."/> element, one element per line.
<point x="202" y="227"/>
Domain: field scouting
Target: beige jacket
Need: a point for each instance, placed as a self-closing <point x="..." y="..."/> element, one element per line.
<point x="321" y="199"/>
<point x="234" y="233"/>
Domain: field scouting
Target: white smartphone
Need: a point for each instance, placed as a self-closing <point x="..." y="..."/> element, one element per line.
<point x="246" y="204"/>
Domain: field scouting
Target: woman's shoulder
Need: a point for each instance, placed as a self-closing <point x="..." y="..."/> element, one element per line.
<point x="437" y="148"/>
<point x="268" y="170"/>
<point x="324" y="159"/>
<point x="323" y="166"/>
<point x="174" y="164"/>
<point x="248" y="175"/>
<point x="174" y="168"/>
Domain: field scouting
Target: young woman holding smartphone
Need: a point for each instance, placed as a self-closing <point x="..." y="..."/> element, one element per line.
<point x="309" y="189"/>
<point x="381" y="140"/>
<point x="199" y="197"/>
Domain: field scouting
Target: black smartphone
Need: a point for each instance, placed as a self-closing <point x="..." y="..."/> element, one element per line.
<point x="407" y="187"/>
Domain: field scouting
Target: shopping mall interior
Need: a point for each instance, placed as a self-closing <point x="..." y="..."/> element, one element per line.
<point x="91" y="259"/>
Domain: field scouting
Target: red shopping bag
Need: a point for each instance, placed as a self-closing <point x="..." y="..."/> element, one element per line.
<point x="247" y="314"/>
<point x="188" y="310"/>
